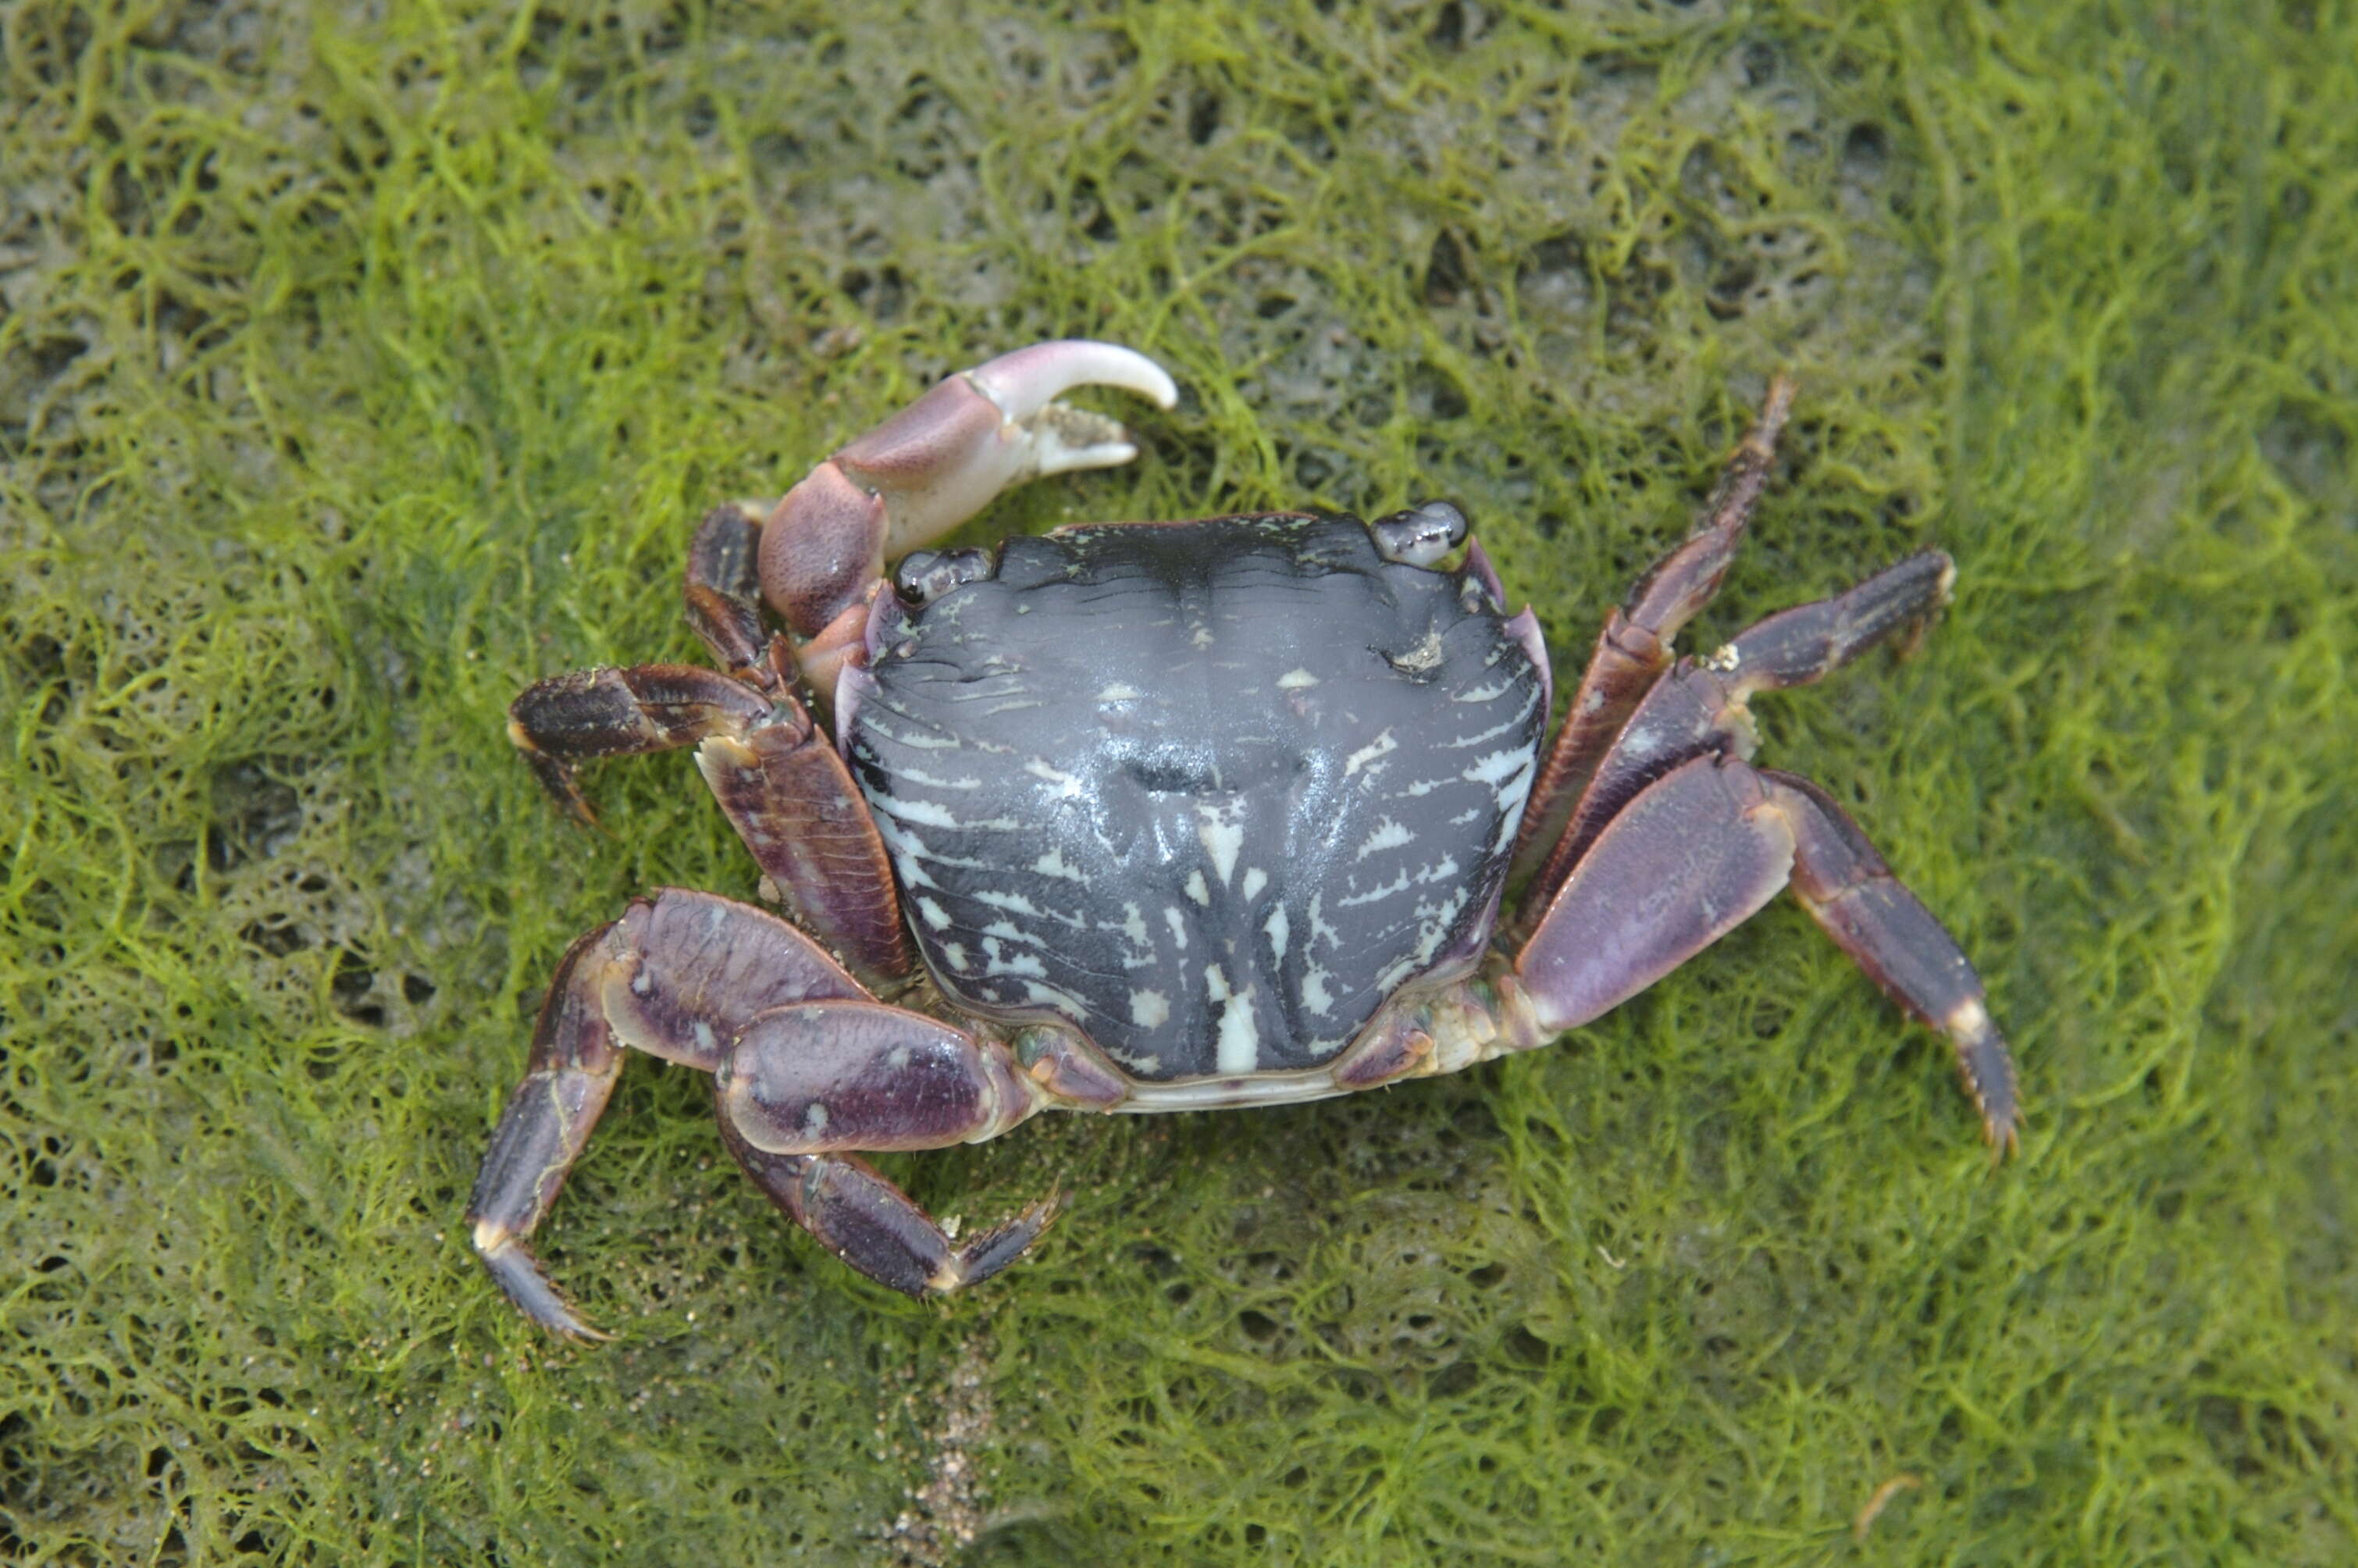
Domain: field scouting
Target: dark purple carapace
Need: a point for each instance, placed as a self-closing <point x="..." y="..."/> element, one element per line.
<point x="1164" y="817"/>
<point x="1208" y="792"/>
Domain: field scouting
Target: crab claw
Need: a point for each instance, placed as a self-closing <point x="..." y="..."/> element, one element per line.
<point x="936" y="464"/>
<point x="940" y="460"/>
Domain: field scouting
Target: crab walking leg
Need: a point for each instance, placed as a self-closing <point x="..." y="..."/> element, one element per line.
<point x="779" y="780"/>
<point x="789" y="795"/>
<point x="805" y="1085"/>
<point x="1888" y="933"/>
<point x="722" y="589"/>
<point x="1634" y="648"/>
<point x="567" y="1078"/>
<point x="1703" y="708"/>
<point x="1684" y="864"/>
<point x="568" y="719"/>
<point x="926" y="470"/>
<point x="872" y="1226"/>
<point x="677" y="977"/>
<point x="1701" y="851"/>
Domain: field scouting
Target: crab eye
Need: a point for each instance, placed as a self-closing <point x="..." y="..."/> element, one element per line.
<point x="926" y="575"/>
<point x="1420" y="536"/>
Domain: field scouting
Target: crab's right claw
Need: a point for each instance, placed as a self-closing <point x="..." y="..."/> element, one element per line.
<point x="941" y="460"/>
<point x="936" y="464"/>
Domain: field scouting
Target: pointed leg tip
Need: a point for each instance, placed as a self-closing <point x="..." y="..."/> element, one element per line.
<point x="1986" y="1066"/>
<point x="556" y="777"/>
<point x="993" y="1250"/>
<point x="578" y="1333"/>
<point x="518" y="1274"/>
<point x="569" y="1328"/>
<point x="1760" y="441"/>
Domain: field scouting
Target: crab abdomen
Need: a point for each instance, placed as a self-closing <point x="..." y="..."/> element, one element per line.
<point x="1210" y="791"/>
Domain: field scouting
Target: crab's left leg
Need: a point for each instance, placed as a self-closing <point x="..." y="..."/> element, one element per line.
<point x="928" y="469"/>
<point x="875" y="1228"/>
<point x="802" y="1087"/>
<point x="676" y="977"/>
<point x="785" y="789"/>
<point x="722" y="591"/>
<point x="1704" y="704"/>
<point x="566" y="720"/>
<point x="1695" y="854"/>
<point x="1634" y="648"/>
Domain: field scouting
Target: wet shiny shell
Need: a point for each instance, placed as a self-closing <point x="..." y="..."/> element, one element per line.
<point x="1209" y="791"/>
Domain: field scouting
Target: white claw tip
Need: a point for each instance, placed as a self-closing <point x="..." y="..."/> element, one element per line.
<point x="1030" y="378"/>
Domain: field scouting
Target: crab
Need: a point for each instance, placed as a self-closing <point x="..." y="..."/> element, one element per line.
<point x="1164" y="817"/>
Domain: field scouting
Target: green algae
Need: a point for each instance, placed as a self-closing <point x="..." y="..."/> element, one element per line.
<point x="356" y="370"/>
